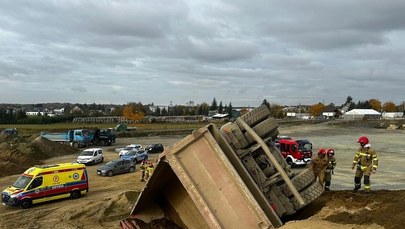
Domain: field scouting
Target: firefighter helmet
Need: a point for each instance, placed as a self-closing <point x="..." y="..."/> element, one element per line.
<point x="322" y="152"/>
<point x="331" y="152"/>
<point x="363" y="140"/>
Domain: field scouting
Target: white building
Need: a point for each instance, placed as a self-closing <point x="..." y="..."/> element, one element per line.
<point x="362" y="114"/>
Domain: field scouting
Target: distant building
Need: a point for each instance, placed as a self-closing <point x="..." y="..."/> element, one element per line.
<point x="304" y="116"/>
<point x="392" y="115"/>
<point x="60" y="111"/>
<point x="76" y="109"/>
<point x="362" y="114"/>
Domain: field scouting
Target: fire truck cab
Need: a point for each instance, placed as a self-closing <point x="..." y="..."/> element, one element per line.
<point x="295" y="152"/>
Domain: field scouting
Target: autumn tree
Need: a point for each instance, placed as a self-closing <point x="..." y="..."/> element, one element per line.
<point x="243" y="111"/>
<point x="316" y="110"/>
<point x="133" y="111"/>
<point x="375" y="104"/>
<point x="389" y="107"/>
<point x="276" y="111"/>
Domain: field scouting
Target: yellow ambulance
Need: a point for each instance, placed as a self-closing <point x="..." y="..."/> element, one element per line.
<point x="43" y="183"/>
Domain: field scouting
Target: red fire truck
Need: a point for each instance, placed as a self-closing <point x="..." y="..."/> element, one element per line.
<point x="295" y="152"/>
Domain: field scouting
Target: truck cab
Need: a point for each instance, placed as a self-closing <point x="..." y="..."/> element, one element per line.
<point x="295" y="152"/>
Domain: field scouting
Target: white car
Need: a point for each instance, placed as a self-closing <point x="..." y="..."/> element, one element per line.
<point x="129" y="148"/>
<point x="91" y="156"/>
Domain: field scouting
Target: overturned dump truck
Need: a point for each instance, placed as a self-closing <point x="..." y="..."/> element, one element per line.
<point x="227" y="177"/>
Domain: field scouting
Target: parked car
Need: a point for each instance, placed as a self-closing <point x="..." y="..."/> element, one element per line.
<point x="129" y="148"/>
<point x="116" y="167"/>
<point x="154" y="148"/>
<point x="136" y="155"/>
<point x="10" y="131"/>
<point x="91" y="156"/>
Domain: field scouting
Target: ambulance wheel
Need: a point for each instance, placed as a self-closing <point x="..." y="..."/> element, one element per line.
<point x="132" y="169"/>
<point x="75" y="194"/>
<point x="110" y="173"/>
<point x="26" y="204"/>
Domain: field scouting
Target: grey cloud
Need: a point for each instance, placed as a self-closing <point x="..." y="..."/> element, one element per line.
<point x="288" y="52"/>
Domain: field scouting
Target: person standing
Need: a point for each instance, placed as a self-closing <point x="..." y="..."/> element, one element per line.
<point x="143" y="168"/>
<point x="318" y="165"/>
<point x="366" y="161"/>
<point x="329" y="168"/>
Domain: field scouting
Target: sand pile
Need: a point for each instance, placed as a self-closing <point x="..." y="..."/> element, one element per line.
<point x="16" y="156"/>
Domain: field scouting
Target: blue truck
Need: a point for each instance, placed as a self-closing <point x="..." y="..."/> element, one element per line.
<point x="76" y="138"/>
<point x="82" y="137"/>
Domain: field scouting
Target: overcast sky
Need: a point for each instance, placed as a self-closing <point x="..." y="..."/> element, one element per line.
<point x="287" y="52"/>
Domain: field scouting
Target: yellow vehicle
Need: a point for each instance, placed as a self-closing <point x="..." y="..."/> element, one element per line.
<point x="43" y="183"/>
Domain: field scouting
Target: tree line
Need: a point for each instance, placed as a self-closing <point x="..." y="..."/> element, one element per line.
<point x="137" y="111"/>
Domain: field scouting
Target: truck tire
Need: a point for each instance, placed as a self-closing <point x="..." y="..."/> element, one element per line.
<point x="235" y="135"/>
<point x="300" y="181"/>
<point x="264" y="129"/>
<point x="26" y="203"/>
<point x="75" y="145"/>
<point x="309" y="194"/>
<point x="256" y="115"/>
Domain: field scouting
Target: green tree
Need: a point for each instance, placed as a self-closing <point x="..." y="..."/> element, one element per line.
<point x="214" y="105"/>
<point x="266" y="103"/>
<point x="229" y="111"/>
<point x="220" y="108"/>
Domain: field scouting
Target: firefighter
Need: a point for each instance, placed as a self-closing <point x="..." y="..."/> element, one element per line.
<point x="329" y="168"/>
<point x="149" y="169"/>
<point x="143" y="168"/>
<point x="366" y="161"/>
<point x="318" y="165"/>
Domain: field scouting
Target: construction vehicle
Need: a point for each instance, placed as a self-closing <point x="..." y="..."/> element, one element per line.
<point x="82" y="137"/>
<point x="228" y="177"/>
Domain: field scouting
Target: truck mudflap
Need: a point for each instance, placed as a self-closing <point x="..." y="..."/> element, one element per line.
<point x="195" y="185"/>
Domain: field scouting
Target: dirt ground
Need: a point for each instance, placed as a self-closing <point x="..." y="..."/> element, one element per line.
<point x="110" y="199"/>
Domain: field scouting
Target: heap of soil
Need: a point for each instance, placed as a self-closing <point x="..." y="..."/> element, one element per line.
<point x="344" y="209"/>
<point x="16" y="156"/>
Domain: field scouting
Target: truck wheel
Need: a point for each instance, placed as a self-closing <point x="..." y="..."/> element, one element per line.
<point x="289" y="161"/>
<point x="76" y="145"/>
<point x="256" y="115"/>
<point x="300" y="181"/>
<point x="266" y="127"/>
<point x="110" y="173"/>
<point x="227" y="133"/>
<point x="131" y="169"/>
<point x="75" y="194"/>
<point x="103" y="143"/>
<point x="27" y="203"/>
<point x="309" y="194"/>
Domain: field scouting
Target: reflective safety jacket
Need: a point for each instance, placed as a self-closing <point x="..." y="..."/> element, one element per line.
<point x="331" y="164"/>
<point x="366" y="158"/>
<point x="318" y="164"/>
